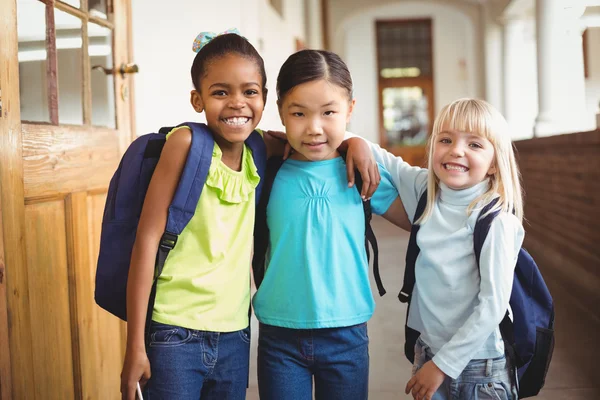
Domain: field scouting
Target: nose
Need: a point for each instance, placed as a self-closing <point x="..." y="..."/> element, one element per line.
<point x="457" y="150"/>
<point x="315" y="127"/>
<point x="236" y="101"/>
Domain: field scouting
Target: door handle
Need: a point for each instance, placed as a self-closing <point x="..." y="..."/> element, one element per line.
<point x="130" y="68"/>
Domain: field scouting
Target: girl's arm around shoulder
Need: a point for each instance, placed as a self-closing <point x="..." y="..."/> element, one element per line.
<point x="387" y="203"/>
<point x="163" y="184"/>
<point x="410" y="181"/>
<point x="275" y="142"/>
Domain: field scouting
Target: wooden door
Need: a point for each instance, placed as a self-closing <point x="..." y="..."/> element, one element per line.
<point x="63" y="128"/>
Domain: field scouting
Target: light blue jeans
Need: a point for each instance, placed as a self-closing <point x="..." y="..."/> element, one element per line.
<point x="491" y="379"/>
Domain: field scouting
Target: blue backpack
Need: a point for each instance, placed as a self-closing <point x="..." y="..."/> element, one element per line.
<point x="125" y="199"/>
<point x="529" y="337"/>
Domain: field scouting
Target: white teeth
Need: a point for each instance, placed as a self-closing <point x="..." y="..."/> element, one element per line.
<point x="455" y="168"/>
<point x="236" y="120"/>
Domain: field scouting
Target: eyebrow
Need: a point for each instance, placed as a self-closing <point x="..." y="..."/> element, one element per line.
<point x="227" y="86"/>
<point x="468" y="134"/>
<point x="333" y="102"/>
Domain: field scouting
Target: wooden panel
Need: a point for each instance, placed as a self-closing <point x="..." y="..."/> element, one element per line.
<point x="67" y="159"/>
<point x="123" y="84"/>
<point x="81" y="294"/>
<point x="109" y="330"/>
<point x="11" y="197"/>
<point x="52" y="63"/>
<point x="5" y="379"/>
<point x="52" y="373"/>
<point x="86" y="90"/>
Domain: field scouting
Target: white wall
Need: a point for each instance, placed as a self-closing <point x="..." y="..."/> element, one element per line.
<point x="592" y="83"/>
<point x="456" y="57"/>
<point x="162" y="47"/>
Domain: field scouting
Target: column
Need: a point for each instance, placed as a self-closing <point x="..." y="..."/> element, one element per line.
<point x="561" y="81"/>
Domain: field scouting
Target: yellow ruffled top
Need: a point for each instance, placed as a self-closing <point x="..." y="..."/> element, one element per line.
<point x="233" y="186"/>
<point x="205" y="283"/>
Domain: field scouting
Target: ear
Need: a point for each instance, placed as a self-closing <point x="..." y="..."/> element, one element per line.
<point x="492" y="169"/>
<point x="350" y="109"/>
<point x="280" y="112"/>
<point x="196" y="101"/>
<point x="265" y="93"/>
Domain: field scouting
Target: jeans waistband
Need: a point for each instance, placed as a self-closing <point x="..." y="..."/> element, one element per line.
<point x="492" y="367"/>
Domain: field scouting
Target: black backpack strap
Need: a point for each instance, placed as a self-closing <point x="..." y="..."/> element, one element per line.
<point x="370" y="236"/>
<point x="261" y="229"/>
<point x="412" y="253"/>
<point x="482" y="227"/>
<point x="405" y="295"/>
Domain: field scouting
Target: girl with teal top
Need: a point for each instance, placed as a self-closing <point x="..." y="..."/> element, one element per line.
<point x="198" y="341"/>
<point x="315" y="297"/>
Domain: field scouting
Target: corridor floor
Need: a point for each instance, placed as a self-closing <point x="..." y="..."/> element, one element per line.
<point x="574" y="373"/>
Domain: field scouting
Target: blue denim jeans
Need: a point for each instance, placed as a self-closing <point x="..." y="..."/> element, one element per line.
<point x="491" y="379"/>
<point x="191" y="364"/>
<point x="337" y="359"/>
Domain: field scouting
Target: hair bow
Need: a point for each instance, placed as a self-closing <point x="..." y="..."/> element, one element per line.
<point x="204" y="37"/>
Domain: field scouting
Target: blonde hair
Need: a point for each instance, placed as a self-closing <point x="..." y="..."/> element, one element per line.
<point x="480" y="118"/>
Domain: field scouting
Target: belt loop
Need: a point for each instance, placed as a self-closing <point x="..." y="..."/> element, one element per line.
<point x="489" y="363"/>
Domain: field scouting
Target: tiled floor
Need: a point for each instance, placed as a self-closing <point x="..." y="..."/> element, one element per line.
<point x="574" y="373"/>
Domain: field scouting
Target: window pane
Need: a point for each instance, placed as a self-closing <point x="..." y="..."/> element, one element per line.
<point x="70" y="68"/>
<point x="405" y="115"/>
<point x="98" y="8"/>
<point x="404" y="49"/>
<point x="33" y="86"/>
<point x="74" y="3"/>
<point x="103" y="86"/>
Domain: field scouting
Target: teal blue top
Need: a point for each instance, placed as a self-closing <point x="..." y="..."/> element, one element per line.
<point x="317" y="273"/>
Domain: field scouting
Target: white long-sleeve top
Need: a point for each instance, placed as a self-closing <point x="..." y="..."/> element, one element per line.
<point x="456" y="304"/>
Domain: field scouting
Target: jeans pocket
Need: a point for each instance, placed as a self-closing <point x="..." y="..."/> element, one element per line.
<point x="245" y="335"/>
<point x="168" y="335"/>
<point x="492" y="391"/>
<point x="363" y="331"/>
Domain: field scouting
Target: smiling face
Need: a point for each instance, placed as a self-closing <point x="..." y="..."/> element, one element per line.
<point x="315" y="115"/>
<point x="461" y="159"/>
<point x="231" y="95"/>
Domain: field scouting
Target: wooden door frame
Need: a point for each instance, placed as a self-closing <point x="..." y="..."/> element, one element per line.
<point x="14" y="300"/>
<point x="15" y="314"/>
<point x="427" y="83"/>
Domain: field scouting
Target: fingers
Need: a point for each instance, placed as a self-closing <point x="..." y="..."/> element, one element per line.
<point x="350" y="173"/>
<point x="415" y="391"/>
<point x="366" y="179"/>
<point x="422" y="394"/>
<point x="375" y="180"/>
<point x="128" y="391"/>
<point x="410" y="385"/>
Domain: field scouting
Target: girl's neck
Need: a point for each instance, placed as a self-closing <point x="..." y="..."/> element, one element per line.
<point x="231" y="153"/>
<point x="463" y="197"/>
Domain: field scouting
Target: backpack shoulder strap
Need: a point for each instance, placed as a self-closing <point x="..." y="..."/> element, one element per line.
<point x="261" y="229"/>
<point x="187" y="194"/>
<point x="370" y="236"/>
<point x="259" y="154"/>
<point x="412" y="252"/>
<point x="482" y="227"/>
<point x="480" y="232"/>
